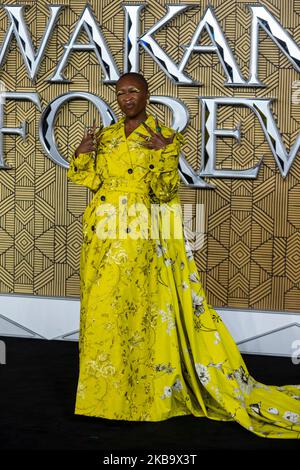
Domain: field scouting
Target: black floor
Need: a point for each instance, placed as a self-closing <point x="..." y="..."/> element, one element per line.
<point x="37" y="395"/>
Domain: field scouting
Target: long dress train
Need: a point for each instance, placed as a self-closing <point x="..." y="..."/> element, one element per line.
<point x="151" y="347"/>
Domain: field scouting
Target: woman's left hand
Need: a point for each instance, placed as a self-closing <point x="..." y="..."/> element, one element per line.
<point x="155" y="141"/>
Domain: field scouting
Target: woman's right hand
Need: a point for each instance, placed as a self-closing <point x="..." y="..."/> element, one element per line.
<point x="90" y="141"/>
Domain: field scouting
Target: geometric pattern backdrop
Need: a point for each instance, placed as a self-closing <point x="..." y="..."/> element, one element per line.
<point x="251" y="255"/>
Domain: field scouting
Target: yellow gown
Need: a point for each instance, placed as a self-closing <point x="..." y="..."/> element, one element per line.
<point x="150" y="346"/>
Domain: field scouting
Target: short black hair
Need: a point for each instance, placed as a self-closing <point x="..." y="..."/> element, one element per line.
<point x="136" y="75"/>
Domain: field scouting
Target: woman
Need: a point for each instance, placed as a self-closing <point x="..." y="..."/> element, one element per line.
<point x="150" y="346"/>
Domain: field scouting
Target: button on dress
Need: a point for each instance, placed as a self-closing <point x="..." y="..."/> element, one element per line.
<point x="151" y="347"/>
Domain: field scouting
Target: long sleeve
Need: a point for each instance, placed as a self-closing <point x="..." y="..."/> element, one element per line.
<point x="82" y="171"/>
<point x="164" y="166"/>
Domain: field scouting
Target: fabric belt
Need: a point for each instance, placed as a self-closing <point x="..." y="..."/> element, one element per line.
<point x="118" y="186"/>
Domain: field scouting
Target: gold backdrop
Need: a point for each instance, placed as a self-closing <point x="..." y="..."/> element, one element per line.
<point x="250" y="257"/>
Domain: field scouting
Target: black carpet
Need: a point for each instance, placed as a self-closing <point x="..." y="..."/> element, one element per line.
<point x="37" y="397"/>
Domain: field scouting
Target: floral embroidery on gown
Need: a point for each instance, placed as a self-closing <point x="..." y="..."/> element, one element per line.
<point x="150" y="346"/>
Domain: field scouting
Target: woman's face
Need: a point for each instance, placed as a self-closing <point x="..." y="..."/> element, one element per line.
<point x="131" y="96"/>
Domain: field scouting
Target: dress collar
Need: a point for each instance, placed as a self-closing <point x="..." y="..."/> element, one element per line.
<point x="149" y="120"/>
